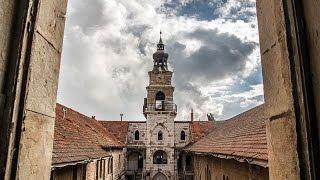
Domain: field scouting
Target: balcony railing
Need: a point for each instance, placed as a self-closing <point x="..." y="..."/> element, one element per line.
<point x="160" y="106"/>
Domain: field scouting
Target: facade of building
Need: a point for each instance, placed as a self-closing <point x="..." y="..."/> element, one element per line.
<point x="235" y="149"/>
<point x="159" y="148"/>
<point x="84" y="150"/>
<point x="153" y="146"/>
<point x="162" y="148"/>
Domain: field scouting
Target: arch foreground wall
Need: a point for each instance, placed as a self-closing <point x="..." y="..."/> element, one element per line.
<point x="30" y="44"/>
<point x="288" y="39"/>
<point x="159" y="176"/>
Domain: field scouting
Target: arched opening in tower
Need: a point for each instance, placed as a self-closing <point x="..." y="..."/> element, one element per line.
<point x="160" y="99"/>
<point x="160" y="157"/>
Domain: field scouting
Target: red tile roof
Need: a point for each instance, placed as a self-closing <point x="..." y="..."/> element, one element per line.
<point x="119" y="129"/>
<point x="241" y="136"/>
<point x="199" y="129"/>
<point x="78" y="137"/>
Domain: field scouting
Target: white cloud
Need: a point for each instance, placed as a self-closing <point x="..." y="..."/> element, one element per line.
<point x="108" y="51"/>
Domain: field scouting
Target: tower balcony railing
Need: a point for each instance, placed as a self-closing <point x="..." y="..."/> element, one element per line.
<point x="160" y="106"/>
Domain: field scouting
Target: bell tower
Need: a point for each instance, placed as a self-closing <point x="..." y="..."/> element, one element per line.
<point x="160" y="90"/>
<point x="160" y="112"/>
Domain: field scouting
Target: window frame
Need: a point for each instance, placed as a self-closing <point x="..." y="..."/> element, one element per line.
<point x="137" y="135"/>
<point x="160" y="136"/>
<point x="182" y="134"/>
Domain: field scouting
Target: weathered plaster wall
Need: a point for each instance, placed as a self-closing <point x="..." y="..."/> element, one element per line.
<point x="211" y="168"/>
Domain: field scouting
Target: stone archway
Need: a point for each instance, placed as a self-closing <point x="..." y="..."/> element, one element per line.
<point x="135" y="161"/>
<point x="159" y="176"/>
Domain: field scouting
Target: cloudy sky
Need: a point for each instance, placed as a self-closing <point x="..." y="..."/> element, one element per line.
<point x="213" y="50"/>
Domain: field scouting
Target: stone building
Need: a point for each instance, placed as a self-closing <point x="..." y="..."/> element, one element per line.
<point x="31" y="42"/>
<point x="153" y="146"/>
<point x="162" y="148"/>
<point x="84" y="149"/>
<point x="234" y="149"/>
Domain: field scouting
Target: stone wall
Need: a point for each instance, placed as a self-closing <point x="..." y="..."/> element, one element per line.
<point x="6" y="16"/>
<point x="133" y="127"/>
<point x="211" y="168"/>
<point x="165" y="79"/>
<point x="31" y="82"/>
<point x="159" y="81"/>
<point x="285" y="99"/>
<point x="178" y="128"/>
<point x="118" y="164"/>
<point x="118" y="168"/>
<point x="153" y="90"/>
<point x="91" y="170"/>
<point x="165" y="123"/>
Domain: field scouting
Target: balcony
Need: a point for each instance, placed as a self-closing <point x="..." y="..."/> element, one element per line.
<point x="160" y="106"/>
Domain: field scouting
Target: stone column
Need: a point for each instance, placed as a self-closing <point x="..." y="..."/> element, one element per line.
<point x="29" y="97"/>
<point x="282" y="51"/>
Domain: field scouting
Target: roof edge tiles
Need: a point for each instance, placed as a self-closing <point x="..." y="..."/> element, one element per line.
<point x="248" y="127"/>
<point x="79" y="138"/>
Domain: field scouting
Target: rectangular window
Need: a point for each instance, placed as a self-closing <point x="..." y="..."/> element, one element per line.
<point x="74" y="172"/>
<point x="110" y="165"/>
<point x="84" y="171"/>
<point x="100" y="169"/>
<point x="104" y="169"/>
<point x="97" y="170"/>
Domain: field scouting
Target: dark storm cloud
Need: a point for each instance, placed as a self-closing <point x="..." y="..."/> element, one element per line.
<point x="108" y="51"/>
<point x="210" y="9"/>
<point x="220" y="55"/>
<point x="257" y="98"/>
<point x="255" y="77"/>
<point x="247" y="83"/>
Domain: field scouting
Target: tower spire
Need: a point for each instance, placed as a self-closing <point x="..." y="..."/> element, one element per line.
<point x="160" y="45"/>
<point x="160" y="41"/>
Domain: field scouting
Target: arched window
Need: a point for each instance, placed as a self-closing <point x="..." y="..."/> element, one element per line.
<point x="160" y="97"/>
<point x="136" y="135"/>
<point x="160" y="157"/>
<point x="183" y="135"/>
<point x="160" y="136"/>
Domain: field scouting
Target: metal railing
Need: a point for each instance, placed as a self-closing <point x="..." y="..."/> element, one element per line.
<point x="162" y="106"/>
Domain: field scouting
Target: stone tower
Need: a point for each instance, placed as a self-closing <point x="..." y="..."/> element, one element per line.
<point x="160" y="112"/>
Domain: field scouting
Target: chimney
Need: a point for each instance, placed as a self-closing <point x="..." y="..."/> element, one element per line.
<point x="210" y="117"/>
<point x="93" y="117"/>
<point x="64" y="110"/>
<point x="121" y="116"/>
<point x="191" y="115"/>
